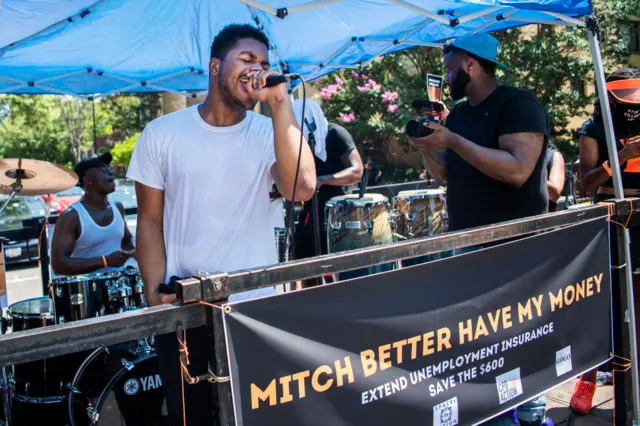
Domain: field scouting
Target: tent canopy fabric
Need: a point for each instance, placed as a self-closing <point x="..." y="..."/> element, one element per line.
<point x="99" y="47"/>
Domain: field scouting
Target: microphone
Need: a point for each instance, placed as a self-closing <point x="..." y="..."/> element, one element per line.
<point x="274" y="80"/>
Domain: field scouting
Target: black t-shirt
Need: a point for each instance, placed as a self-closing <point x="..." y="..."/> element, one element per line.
<point x="338" y="143"/>
<point x="475" y="199"/>
<point x="594" y="128"/>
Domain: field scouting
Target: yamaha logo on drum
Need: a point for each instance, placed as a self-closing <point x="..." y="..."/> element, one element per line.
<point x="133" y="385"/>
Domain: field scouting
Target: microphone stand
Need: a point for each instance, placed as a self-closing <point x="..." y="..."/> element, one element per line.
<point x="317" y="238"/>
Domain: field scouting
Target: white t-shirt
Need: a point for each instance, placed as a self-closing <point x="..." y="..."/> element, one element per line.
<point x="216" y="181"/>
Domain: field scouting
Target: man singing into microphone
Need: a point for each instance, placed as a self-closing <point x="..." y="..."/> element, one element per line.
<point x="203" y="176"/>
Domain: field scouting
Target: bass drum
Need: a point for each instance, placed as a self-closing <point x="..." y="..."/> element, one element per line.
<point x="131" y="392"/>
<point x="37" y="388"/>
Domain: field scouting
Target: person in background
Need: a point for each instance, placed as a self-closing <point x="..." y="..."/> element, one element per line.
<point x="492" y="144"/>
<point x="623" y="89"/>
<point x="340" y="168"/>
<point x="491" y="147"/>
<point x="374" y="175"/>
<point x="555" y="175"/>
<point x="92" y="234"/>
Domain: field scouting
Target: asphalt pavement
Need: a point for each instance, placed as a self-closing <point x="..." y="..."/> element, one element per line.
<point x="23" y="282"/>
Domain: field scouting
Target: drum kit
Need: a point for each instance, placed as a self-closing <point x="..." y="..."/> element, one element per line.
<point x="355" y="222"/>
<point x="74" y="389"/>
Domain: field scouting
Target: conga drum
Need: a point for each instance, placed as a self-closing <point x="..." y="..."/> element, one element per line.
<point x="354" y="223"/>
<point x="421" y="213"/>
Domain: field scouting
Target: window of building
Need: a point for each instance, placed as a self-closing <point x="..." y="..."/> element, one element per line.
<point x="634" y="37"/>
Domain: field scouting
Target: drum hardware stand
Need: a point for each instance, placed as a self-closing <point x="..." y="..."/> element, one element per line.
<point x="369" y="221"/>
<point x="17" y="174"/>
<point x="317" y="236"/>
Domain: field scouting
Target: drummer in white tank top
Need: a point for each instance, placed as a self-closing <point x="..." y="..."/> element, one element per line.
<point x="92" y="235"/>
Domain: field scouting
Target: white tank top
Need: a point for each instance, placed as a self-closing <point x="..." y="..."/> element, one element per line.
<point x="96" y="240"/>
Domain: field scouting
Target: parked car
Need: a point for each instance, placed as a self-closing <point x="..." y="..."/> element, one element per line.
<point x="125" y="193"/>
<point x="20" y="247"/>
<point x="60" y="201"/>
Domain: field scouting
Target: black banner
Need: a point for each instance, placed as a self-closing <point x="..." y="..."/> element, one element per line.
<point x="454" y="341"/>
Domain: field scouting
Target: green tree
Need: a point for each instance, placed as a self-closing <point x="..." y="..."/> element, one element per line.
<point x="75" y="115"/>
<point x="553" y="61"/>
<point x="30" y="128"/>
<point x="122" y="152"/>
<point x="120" y="116"/>
<point x="374" y="106"/>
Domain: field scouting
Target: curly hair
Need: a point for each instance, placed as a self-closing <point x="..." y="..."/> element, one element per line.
<point x="624" y="74"/>
<point x="229" y="35"/>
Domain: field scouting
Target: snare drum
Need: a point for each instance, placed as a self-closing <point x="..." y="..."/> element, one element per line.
<point x="354" y="223"/>
<point x="421" y="213"/>
<point x="81" y="297"/>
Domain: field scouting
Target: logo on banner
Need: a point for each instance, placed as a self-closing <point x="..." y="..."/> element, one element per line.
<point x="563" y="361"/>
<point x="446" y="413"/>
<point x="509" y="385"/>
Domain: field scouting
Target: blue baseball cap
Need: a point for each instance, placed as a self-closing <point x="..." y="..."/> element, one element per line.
<point x="482" y="45"/>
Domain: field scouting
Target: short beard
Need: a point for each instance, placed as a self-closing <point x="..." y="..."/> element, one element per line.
<point x="228" y="97"/>
<point x="459" y="84"/>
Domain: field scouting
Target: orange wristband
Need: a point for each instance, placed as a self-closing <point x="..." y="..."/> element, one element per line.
<point x="104" y="261"/>
<point x="607" y="168"/>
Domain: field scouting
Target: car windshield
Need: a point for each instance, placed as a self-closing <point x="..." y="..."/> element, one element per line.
<point x="19" y="209"/>
<point x="125" y="193"/>
<point x="75" y="191"/>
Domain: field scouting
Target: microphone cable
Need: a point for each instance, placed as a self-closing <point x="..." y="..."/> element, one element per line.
<point x="289" y="238"/>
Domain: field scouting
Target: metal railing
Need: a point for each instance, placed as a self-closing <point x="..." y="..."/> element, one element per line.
<point x="30" y="345"/>
<point x="86" y="334"/>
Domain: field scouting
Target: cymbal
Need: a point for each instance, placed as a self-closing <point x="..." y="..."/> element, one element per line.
<point x="38" y="177"/>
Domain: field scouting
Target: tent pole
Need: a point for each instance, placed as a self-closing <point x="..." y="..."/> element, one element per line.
<point x="593" y="33"/>
<point x="93" y="113"/>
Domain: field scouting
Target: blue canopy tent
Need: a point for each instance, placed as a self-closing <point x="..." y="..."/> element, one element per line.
<point x="94" y="48"/>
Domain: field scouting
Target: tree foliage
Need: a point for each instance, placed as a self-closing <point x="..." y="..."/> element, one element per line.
<point x="30" y="128"/>
<point x="374" y="106"/>
<point x="59" y="129"/>
<point x="122" y="152"/>
<point x="120" y="116"/>
<point x="554" y="62"/>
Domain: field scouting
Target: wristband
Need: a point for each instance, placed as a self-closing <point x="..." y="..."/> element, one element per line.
<point x="607" y="168"/>
<point x="104" y="261"/>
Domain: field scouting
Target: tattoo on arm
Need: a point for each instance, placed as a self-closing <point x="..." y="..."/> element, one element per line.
<point x="440" y="156"/>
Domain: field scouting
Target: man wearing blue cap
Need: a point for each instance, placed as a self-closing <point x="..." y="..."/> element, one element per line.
<point x="490" y="154"/>
<point x="490" y="151"/>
